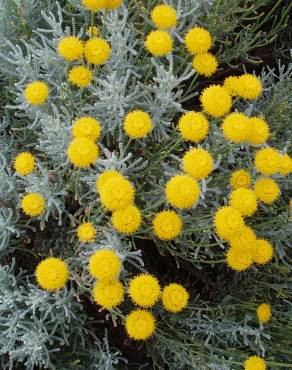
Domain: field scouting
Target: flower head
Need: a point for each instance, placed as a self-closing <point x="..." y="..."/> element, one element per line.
<point x="244" y="200"/>
<point x="236" y="127"/>
<point x="52" y="273"/>
<point x="198" y="40"/>
<point x="86" y="232"/>
<point x="263" y="252"/>
<point x="266" y="190"/>
<point x="33" y="204"/>
<point x="24" y="163"/>
<point x="167" y="225"/>
<point x="254" y="363"/>
<point x="285" y="164"/>
<point x="144" y="290"/>
<point x="193" y="126"/>
<point x="82" y="152"/>
<point x="174" y="298"/>
<point x="108" y="293"/>
<point x="216" y="101"/>
<point x="92" y="31"/>
<point x="127" y="220"/>
<point x="249" y="86"/>
<point x="239" y="259"/>
<point x="240" y="179"/>
<point x="113" y="4"/>
<point x="267" y="161"/>
<point x="230" y="84"/>
<point x="97" y="51"/>
<point x="70" y="48"/>
<point x="137" y="124"/>
<point x="80" y="76"/>
<point x="259" y="131"/>
<point x="228" y="222"/>
<point x="105" y="176"/>
<point x="104" y="264"/>
<point x="86" y="127"/>
<point x="264" y="313"/>
<point x="205" y="64"/>
<point x="244" y="240"/>
<point x="94" y="5"/>
<point x="117" y="193"/>
<point x="197" y="163"/>
<point x="159" y="43"/>
<point x="163" y="16"/>
<point x="182" y="191"/>
<point x="140" y="324"/>
<point x="36" y="93"/>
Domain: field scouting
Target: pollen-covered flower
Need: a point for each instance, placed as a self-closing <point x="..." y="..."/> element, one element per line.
<point x="193" y="126"/>
<point x="117" y="193"/>
<point x="97" y="51"/>
<point x="244" y="200"/>
<point x="105" y="264"/>
<point x="230" y="84"/>
<point x="86" y="232"/>
<point x="137" y="124"/>
<point x="228" y="222"/>
<point x="113" y="4"/>
<point x="94" y="5"/>
<point x="105" y="176"/>
<point x="159" y="43"/>
<point x="264" y="313"/>
<point x="238" y="259"/>
<point x="285" y="164"/>
<point x="197" y="163"/>
<point x="198" y="40"/>
<point x="82" y="152"/>
<point x="80" y="76"/>
<point x="70" y="48"/>
<point x="163" y="16"/>
<point x="249" y="86"/>
<point x="236" y="127"/>
<point x="255" y="363"/>
<point x="140" y="324"/>
<point x="263" y="252"/>
<point x="174" y="298"/>
<point x="24" y="163"/>
<point x="36" y="93"/>
<point x="144" y="290"/>
<point x="33" y="204"/>
<point x="240" y="179"/>
<point x="216" y="101"/>
<point x="259" y="131"/>
<point x="205" y="64"/>
<point x="86" y="127"/>
<point x="52" y="273"/>
<point x="127" y="220"/>
<point x="244" y="240"/>
<point x="267" y="161"/>
<point x="182" y="191"/>
<point x="108" y="293"/>
<point x="167" y="225"/>
<point x="267" y="190"/>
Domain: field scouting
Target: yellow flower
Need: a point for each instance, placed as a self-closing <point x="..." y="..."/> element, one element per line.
<point x="33" y="204"/>
<point x="82" y="152"/>
<point x="137" y="124"/>
<point x="240" y="179"/>
<point x="144" y="290"/>
<point x="97" y="51"/>
<point x="264" y="312"/>
<point x="236" y="127"/>
<point x="127" y="220"/>
<point x="285" y="164"/>
<point x="267" y="161"/>
<point x="92" y="31"/>
<point x="259" y="131"/>
<point x="230" y="84"/>
<point x="239" y="259"/>
<point x="205" y="64"/>
<point x="24" y="163"/>
<point x="113" y="4"/>
<point x="104" y="176"/>
<point x="263" y="252"/>
<point x="159" y="43"/>
<point x="182" y="191"/>
<point x="254" y="363"/>
<point x="216" y="101"/>
<point x="108" y="293"/>
<point x="86" y="127"/>
<point x="198" y="40"/>
<point x="104" y="264"/>
<point x="266" y="190"/>
<point x="80" y="76"/>
<point x="249" y="86"/>
<point x="140" y="324"/>
<point x="86" y="232"/>
<point x="163" y="16"/>
<point x="36" y="93"/>
<point x="245" y="240"/>
<point x="117" y="193"/>
<point x="167" y="225"/>
<point x="52" y="273"/>
<point x="193" y="126"/>
<point x="228" y="222"/>
<point x="94" y="5"/>
<point x="174" y="298"/>
<point x="197" y="163"/>
<point x="70" y="48"/>
<point x="244" y="200"/>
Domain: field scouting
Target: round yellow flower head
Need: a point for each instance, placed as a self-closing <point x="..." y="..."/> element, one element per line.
<point x="117" y="193"/>
<point x="86" y="127"/>
<point x="259" y="131"/>
<point x="24" y="163"/>
<point x="159" y="43"/>
<point x="163" y="16"/>
<point x="238" y="259"/>
<point x="174" y="298"/>
<point x="254" y="363"/>
<point x="82" y="152"/>
<point x="236" y="127"/>
<point x="86" y="232"/>
<point x="52" y="273"/>
<point x="182" y="191"/>
<point x="263" y="252"/>
<point x="108" y="293"/>
<point x="33" y="204"/>
<point x="167" y="225"/>
<point x="230" y="84"/>
<point x="137" y="124"/>
<point x="198" y="40"/>
<point x="249" y="86"/>
<point x="127" y="220"/>
<point x="267" y="161"/>
<point x="144" y="290"/>
<point x="245" y="240"/>
<point x="267" y="190"/>
<point x="94" y="5"/>
<point x="193" y="126"/>
<point x="285" y="164"/>
<point x="80" y="76"/>
<point x="105" y="264"/>
<point x="216" y="101"/>
<point x="205" y="64"/>
<point x="70" y="48"/>
<point x="264" y="312"/>
<point x="105" y="176"/>
<point x="244" y="200"/>
<point x="113" y="4"/>
<point x="228" y="222"/>
<point x="92" y="31"/>
<point x="97" y="51"/>
<point x="197" y="163"/>
<point x="240" y="179"/>
<point x="140" y="324"/>
<point x="36" y="93"/>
